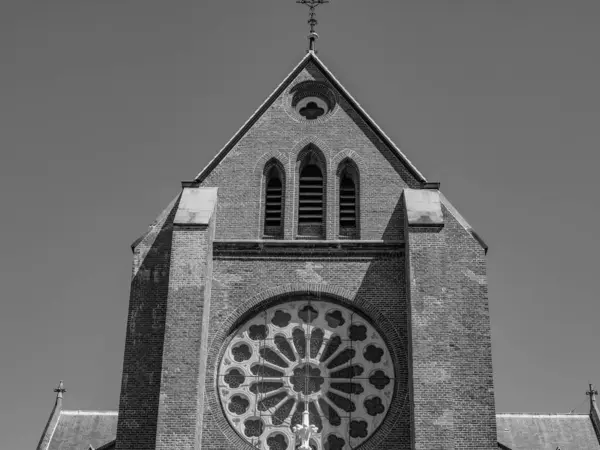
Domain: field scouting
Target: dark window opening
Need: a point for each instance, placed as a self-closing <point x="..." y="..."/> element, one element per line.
<point x="348" y="204"/>
<point x="274" y="204"/>
<point x="311" y="111"/>
<point x="311" y="205"/>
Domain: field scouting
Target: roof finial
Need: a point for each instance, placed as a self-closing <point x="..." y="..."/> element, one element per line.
<point x="312" y="21"/>
<point x="60" y="390"/>
<point x="591" y="393"/>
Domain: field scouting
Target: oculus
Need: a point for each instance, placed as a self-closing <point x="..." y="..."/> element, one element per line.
<point x="312" y="99"/>
<point x="311" y="108"/>
<point x="306" y="355"/>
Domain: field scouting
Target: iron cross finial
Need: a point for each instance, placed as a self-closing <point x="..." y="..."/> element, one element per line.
<point x="591" y="393"/>
<point x="60" y="390"/>
<point x="312" y="20"/>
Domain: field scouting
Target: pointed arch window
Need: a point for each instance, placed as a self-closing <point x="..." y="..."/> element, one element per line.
<point x="311" y="195"/>
<point x="274" y="202"/>
<point x="348" y="200"/>
<point x="310" y="209"/>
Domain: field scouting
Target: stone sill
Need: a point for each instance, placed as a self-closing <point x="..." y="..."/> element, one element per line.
<point x="306" y="247"/>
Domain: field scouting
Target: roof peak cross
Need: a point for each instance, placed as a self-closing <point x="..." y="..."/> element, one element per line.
<point x="591" y="393"/>
<point x="60" y="390"/>
<point x="312" y="20"/>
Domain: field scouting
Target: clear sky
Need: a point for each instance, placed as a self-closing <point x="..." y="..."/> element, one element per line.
<point x="107" y="105"/>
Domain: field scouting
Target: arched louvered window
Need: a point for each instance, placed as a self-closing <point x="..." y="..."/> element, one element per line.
<point x="311" y="206"/>
<point x="348" y="201"/>
<point x="274" y="203"/>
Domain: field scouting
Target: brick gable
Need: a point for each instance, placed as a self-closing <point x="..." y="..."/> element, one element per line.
<point x="199" y="277"/>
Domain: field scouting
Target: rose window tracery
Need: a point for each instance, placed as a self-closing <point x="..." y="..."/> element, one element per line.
<point x="306" y="355"/>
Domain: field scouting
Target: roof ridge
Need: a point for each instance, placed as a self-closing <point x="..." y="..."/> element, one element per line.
<point x="371" y="122"/>
<point x="82" y="412"/>
<point x="108" y="445"/>
<point x="216" y="159"/>
<point x="540" y="414"/>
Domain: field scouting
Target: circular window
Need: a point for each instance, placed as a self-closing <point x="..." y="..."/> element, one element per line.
<point x="306" y="361"/>
<point x="312" y="100"/>
<point x="312" y="108"/>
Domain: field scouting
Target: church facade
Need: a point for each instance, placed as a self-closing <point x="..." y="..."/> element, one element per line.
<point x="310" y="289"/>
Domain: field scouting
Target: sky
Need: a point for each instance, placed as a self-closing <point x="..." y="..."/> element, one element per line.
<point x="107" y="105"/>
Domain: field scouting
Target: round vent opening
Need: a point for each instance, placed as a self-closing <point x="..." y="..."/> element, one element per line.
<point x="311" y="100"/>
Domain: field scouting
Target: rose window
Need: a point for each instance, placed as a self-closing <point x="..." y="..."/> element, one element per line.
<point x="311" y="356"/>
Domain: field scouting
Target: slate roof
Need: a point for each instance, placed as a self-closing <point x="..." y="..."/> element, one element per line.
<point x="77" y="430"/>
<point x="522" y="431"/>
<point x="110" y="446"/>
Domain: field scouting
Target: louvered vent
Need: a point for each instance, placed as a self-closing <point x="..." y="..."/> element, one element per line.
<point x="310" y="210"/>
<point x="274" y="205"/>
<point x="347" y="207"/>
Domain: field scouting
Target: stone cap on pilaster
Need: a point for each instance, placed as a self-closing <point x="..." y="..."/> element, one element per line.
<point x="196" y="206"/>
<point x="423" y="208"/>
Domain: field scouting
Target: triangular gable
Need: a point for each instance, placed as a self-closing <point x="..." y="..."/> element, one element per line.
<point x="310" y="57"/>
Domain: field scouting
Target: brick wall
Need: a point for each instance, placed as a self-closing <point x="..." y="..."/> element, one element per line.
<point x="450" y="341"/>
<point x="431" y="368"/>
<point x="470" y="344"/>
<point x="186" y="327"/>
<point x="142" y="361"/>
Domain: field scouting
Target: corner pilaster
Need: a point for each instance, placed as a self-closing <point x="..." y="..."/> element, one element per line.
<point x="181" y="406"/>
<point x="429" y="323"/>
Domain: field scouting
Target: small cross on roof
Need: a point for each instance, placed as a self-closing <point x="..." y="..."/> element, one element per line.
<point x="312" y="20"/>
<point x="60" y="389"/>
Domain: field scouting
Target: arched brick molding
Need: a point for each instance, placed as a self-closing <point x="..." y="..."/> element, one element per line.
<point x="347" y="154"/>
<point x="399" y="412"/>
<point x="282" y="157"/>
